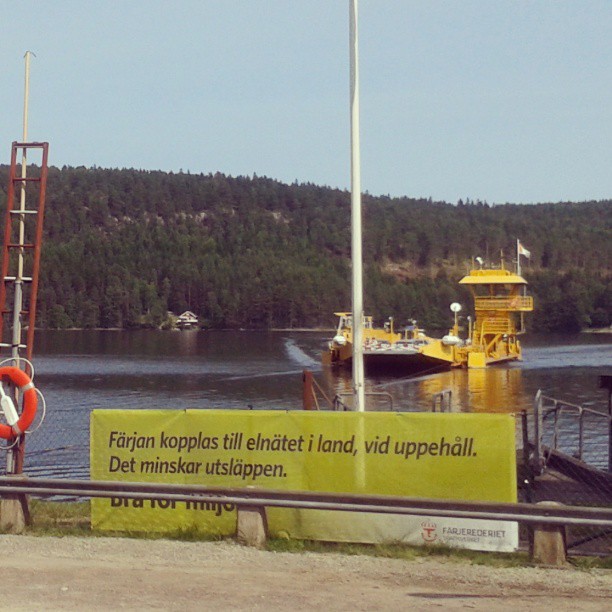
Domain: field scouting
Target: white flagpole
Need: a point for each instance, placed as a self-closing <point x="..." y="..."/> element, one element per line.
<point x="18" y="297"/>
<point x="518" y="273"/>
<point x="358" y="370"/>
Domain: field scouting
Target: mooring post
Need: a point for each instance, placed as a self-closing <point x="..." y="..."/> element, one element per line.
<point x="307" y="390"/>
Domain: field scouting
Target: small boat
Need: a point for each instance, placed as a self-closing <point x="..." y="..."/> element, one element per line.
<point x="499" y="304"/>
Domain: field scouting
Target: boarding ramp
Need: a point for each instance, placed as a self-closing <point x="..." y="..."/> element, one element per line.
<point x="569" y="463"/>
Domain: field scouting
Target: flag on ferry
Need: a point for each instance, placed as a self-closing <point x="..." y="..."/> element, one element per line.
<point x="523" y="251"/>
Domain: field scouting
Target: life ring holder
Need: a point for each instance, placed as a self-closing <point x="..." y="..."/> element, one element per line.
<point x="30" y="401"/>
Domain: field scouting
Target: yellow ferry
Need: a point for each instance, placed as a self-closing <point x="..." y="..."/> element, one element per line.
<point x="499" y="304"/>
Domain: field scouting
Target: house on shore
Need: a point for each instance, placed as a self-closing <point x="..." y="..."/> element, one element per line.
<point x="187" y="320"/>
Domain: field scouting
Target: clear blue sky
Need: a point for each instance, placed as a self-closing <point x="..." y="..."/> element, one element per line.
<point x="506" y="101"/>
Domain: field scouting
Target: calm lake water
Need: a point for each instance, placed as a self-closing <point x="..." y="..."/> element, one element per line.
<point x="81" y="370"/>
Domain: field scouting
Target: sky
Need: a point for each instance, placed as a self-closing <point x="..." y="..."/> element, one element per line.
<point x="496" y="101"/>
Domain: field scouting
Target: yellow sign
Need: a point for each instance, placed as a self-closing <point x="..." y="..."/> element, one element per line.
<point x="447" y="456"/>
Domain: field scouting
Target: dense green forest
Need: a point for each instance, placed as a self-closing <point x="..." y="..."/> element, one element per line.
<point x="123" y="247"/>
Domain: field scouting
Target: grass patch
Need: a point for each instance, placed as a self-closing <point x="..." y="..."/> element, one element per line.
<point x="404" y="551"/>
<point x="59" y="518"/>
<point x="193" y="533"/>
<point x="50" y="518"/>
<point x="589" y="563"/>
<point x="411" y="553"/>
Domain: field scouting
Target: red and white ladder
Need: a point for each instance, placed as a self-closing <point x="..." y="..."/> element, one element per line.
<point x="23" y="226"/>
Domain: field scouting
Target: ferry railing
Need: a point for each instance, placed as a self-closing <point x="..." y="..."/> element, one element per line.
<point x="310" y="400"/>
<point x="341" y="405"/>
<point x="513" y="303"/>
<point x="492" y="325"/>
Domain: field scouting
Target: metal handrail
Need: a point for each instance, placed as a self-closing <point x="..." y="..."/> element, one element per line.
<point x="339" y="405"/>
<point x="558" y="408"/>
<point x="249" y="496"/>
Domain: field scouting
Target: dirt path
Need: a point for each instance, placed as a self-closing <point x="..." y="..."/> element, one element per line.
<point x="108" y="573"/>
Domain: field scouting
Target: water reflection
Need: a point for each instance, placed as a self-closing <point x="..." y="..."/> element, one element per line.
<point x="82" y="370"/>
<point x="191" y="369"/>
<point x="487" y="390"/>
<point x="565" y="367"/>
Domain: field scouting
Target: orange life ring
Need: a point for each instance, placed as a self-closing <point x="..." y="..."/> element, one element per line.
<point x="30" y="400"/>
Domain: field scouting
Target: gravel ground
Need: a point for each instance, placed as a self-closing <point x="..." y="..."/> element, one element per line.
<point x="111" y="573"/>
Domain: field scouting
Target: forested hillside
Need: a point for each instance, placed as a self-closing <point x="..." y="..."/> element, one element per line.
<point x="122" y="247"/>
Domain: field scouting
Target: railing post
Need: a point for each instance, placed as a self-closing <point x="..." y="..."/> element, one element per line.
<point x="558" y="408"/>
<point x="252" y="526"/>
<point x="580" y="433"/>
<point x="549" y="542"/>
<point x="537" y="426"/>
<point x="610" y="430"/>
<point x="605" y="382"/>
<point x="528" y="480"/>
<point x="14" y="511"/>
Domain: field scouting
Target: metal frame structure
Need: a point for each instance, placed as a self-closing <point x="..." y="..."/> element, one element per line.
<point x="19" y="270"/>
<point x="545" y="407"/>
